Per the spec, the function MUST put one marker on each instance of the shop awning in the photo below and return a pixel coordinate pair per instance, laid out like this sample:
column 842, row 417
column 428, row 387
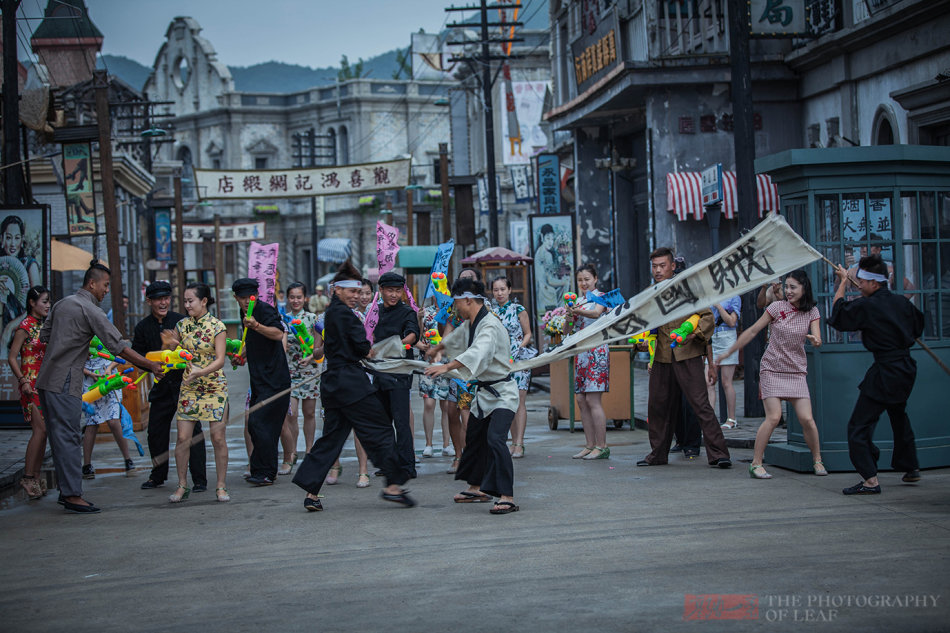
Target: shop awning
column 684, row 194
column 334, row 249
column 416, row 259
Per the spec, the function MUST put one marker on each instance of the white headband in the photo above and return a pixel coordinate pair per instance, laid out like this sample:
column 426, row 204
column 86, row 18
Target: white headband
column 469, row 295
column 348, row 283
column 863, row 274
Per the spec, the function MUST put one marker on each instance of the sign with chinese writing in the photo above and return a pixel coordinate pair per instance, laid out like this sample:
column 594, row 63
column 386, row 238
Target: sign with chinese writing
column 439, row 265
column 521, row 183
column 859, row 227
column 483, row 204
column 712, row 185
column 262, row 267
column 163, row 235
column 268, row 184
column 597, row 53
column 196, row 233
column 549, row 183
column 777, row 18
column 77, row 181
column 521, row 133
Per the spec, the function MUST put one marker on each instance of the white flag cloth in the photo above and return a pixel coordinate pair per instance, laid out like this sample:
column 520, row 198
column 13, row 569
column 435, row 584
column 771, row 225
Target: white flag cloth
column 768, row 251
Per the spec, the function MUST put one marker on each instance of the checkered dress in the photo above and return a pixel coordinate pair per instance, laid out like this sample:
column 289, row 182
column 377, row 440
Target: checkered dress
column 784, row 365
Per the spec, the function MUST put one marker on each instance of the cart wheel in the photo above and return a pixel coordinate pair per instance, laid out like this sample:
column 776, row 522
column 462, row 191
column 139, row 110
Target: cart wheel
column 618, row 424
column 552, row 418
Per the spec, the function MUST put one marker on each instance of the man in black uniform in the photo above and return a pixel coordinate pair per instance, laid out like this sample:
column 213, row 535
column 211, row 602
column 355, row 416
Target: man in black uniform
column 889, row 324
column 349, row 400
column 163, row 398
column 269, row 375
column 397, row 319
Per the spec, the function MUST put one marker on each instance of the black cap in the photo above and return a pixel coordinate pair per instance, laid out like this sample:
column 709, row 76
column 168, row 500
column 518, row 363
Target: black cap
column 392, row 280
column 158, row 289
column 244, row 287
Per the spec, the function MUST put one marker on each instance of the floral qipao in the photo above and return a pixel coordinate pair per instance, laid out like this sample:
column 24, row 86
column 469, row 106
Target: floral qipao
column 31, row 357
column 435, row 388
column 204, row 398
column 298, row 374
column 591, row 368
column 509, row 315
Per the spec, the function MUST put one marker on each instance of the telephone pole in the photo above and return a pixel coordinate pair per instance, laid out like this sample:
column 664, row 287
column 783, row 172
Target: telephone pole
column 13, row 186
column 486, row 81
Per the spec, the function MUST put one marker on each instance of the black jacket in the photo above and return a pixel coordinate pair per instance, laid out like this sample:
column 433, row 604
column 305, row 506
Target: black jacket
column 399, row 320
column 146, row 338
column 344, row 344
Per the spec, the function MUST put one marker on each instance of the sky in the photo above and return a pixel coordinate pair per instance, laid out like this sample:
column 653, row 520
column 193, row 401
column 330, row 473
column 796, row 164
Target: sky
column 311, row 33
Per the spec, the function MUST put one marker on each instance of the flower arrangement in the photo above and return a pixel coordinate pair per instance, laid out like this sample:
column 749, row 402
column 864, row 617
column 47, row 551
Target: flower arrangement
column 554, row 320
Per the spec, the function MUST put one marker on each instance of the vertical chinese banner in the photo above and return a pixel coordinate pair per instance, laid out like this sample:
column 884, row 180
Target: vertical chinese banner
column 163, row 235
column 77, row 181
column 387, row 247
column 439, row 265
column 262, row 267
column 549, row 184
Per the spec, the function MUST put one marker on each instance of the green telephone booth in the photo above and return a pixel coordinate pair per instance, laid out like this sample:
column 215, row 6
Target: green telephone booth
column 846, row 202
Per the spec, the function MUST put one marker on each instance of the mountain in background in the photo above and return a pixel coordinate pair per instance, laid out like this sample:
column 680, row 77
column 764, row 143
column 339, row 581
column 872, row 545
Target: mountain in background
column 266, row 77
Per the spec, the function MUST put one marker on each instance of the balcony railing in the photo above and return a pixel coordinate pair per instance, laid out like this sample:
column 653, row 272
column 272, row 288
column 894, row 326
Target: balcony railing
column 690, row 27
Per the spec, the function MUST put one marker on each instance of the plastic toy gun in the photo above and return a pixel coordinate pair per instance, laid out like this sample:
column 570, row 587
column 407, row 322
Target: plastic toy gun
column 432, row 336
column 173, row 366
column 569, row 300
column 678, row 336
column 170, row 357
column 107, row 384
column 96, row 348
column 233, row 351
column 647, row 338
column 304, row 337
column 440, row 283
column 250, row 310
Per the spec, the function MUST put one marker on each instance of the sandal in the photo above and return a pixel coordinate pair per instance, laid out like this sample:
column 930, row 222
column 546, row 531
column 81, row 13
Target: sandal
column 517, row 455
column 31, row 486
column 454, row 467
column 584, row 453
column 504, row 507
column 602, row 453
column 730, row 424
column 756, row 475
column 331, row 478
column 285, row 468
column 222, row 494
column 820, row 469
column 363, row 480
column 176, row 498
column 468, row 496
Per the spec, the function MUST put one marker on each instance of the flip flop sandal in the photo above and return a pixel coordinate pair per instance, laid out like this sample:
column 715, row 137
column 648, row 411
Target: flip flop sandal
column 508, row 508
column 473, row 497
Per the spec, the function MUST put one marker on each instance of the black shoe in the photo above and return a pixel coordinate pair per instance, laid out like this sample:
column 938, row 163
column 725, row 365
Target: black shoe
column 199, row 487
column 676, row 449
column 312, row 505
column 911, row 476
column 129, row 467
column 401, row 498
column 88, row 472
column 860, row 489
column 379, row 473
column 690, row 453
column 80, row 509
column 149, row 484
column 644, row 462
column 260, row 480
column 61, row 500
column 722, row 462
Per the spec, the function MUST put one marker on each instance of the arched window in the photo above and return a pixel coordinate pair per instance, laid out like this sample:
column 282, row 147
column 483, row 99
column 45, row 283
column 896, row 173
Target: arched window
column 885, row 130
column 343, row 153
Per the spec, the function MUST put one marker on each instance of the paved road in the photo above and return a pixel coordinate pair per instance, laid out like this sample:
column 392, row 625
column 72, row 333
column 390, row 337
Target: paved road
column 600, row 545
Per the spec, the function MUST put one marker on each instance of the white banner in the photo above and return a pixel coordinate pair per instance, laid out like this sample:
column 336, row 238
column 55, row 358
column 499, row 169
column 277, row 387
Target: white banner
column 270, row 184
column 244, row 232
column 768, row 251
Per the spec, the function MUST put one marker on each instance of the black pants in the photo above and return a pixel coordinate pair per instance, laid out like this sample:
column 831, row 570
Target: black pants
column 264, row 426
column 396, row 404
column 160, row 414
column 486, row 461
column 687, row 432
column 864, row 454
column 367, row 419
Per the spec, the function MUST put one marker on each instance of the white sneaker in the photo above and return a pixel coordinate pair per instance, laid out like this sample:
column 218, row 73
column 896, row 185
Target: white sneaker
column 427, row 451
column 448, row 451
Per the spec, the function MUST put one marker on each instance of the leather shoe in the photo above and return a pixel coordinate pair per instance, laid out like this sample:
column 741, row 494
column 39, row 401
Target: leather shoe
column 911, row 476
column 644, row 462
column 722, row 462
column 402, row 498
column 80, row 509
column 149, row 484
column 690, row 453
column 260, row 480
column 199, row 487
column 312, row 505
column 860, row 489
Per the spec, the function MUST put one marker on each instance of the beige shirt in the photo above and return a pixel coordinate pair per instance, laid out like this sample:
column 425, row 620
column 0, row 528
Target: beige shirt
column 696, row 347
column 75, row 320
column 488, row 358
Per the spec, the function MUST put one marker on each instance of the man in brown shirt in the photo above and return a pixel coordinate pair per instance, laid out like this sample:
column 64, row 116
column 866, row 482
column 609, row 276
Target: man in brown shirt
column 679, row 371
column 67, row 332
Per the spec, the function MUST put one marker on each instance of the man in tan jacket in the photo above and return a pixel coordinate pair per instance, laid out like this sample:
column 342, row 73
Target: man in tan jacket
column 679, row 371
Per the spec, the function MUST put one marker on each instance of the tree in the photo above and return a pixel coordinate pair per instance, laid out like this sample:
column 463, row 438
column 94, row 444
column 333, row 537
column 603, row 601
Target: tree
column 403, row 64
column 350, row 72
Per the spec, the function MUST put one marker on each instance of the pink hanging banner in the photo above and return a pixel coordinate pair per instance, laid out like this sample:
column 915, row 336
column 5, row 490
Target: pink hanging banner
column 387, row 246
column 371, row 318
column 262, row 267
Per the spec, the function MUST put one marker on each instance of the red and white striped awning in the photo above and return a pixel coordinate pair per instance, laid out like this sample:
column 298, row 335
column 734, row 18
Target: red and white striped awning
column 684, row 194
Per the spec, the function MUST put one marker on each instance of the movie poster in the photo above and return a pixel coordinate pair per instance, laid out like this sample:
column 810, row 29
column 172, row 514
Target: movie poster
column 80, row 199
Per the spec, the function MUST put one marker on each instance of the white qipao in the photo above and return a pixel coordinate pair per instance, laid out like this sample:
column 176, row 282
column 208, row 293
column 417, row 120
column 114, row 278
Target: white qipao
column 486, row 359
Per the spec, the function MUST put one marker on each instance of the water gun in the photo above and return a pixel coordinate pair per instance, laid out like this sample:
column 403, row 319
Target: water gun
column 569, row 300
column 250, row 310
column 233, row 351
column 304, row 337
column 170, row 357
column 107, row 384
column 96, row 348
column 432, row 336
column 441, row 284
column 647, row 338
column 678, row 336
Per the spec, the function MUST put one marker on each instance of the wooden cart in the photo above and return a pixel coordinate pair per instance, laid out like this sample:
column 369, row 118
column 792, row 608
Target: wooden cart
column 618, row 402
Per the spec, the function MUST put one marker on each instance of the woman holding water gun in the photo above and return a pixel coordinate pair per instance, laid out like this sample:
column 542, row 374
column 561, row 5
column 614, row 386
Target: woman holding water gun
column 784, row 367
column 204, row 389
column 433, row 389
column 302, row 368
column 26, row 356
column 591, row 368
column 105, row 409
column 515, row 319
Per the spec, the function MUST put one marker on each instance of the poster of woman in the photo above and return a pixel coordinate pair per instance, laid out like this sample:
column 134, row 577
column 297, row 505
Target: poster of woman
column 552, row 245
column 23, row 263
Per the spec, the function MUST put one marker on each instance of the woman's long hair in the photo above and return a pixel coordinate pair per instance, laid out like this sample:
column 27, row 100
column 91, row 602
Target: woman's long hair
column 807, row 302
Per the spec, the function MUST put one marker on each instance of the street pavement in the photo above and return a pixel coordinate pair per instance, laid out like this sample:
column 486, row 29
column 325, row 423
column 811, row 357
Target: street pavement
column 599, row 545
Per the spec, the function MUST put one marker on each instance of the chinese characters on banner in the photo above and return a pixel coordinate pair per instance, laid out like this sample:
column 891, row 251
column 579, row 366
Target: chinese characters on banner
column 262, row 267
column 77, row 181
column 521, row 183
column 777, row 18
column 875, row 226
column 439, row 265
column 244, row 232
column 269, row 184
column 549, row 184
